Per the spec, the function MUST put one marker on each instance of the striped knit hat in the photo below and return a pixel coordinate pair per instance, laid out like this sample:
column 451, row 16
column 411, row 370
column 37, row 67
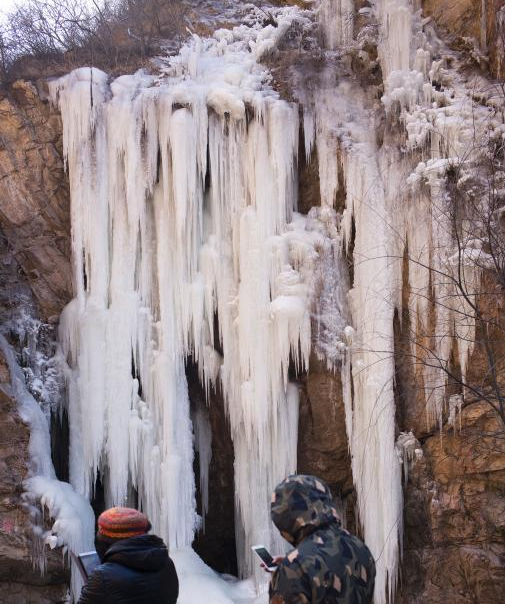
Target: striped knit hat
column 122, row 523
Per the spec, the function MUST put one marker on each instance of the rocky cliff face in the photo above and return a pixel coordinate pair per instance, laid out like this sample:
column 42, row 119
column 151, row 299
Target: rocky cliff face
column 34, row 209
column 454, row 515
column 454, row 545
column 473, row 26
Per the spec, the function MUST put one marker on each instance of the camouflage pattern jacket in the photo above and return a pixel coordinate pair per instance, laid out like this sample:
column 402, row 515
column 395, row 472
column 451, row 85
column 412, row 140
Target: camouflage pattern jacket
column 329, row 565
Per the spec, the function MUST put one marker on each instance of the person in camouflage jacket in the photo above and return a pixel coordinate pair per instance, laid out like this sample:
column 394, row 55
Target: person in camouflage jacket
column 329, row 565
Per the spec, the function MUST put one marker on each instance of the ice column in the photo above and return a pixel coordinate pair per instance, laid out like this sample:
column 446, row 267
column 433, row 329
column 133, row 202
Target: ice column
column 375, row 466
column 203, row 446
column 337, row 22
column 181, row 191
column 395, row 19
column 368, row 373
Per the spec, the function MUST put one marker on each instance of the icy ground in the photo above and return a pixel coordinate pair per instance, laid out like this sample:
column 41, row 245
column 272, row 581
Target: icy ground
column 196, row 578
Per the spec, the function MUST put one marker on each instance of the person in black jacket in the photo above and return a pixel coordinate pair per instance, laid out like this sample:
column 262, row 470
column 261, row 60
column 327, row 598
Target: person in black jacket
column 136, row 567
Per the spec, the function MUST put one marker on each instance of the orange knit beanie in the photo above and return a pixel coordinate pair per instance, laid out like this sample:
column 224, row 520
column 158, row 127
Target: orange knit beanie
column 122, row 523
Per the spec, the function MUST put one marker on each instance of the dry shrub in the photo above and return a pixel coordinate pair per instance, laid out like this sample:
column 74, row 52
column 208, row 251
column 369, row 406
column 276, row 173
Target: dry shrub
column 49, row 37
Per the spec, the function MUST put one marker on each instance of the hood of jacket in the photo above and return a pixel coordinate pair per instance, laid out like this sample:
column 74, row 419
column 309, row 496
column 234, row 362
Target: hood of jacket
column 302, row 504
column 146, row 553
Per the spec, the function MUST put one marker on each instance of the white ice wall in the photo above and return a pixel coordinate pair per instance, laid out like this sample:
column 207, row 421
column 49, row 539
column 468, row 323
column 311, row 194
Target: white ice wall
column 182, row 192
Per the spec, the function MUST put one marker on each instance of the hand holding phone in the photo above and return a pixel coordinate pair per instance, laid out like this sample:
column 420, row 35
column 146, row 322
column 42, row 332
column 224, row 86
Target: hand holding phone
column 269, row 563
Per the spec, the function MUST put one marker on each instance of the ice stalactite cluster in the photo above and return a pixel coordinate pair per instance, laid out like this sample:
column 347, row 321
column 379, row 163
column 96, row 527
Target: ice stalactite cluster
column 446, row 129
column 339, row 122
column 329, row 287
column 330, row 281
column 408, row 450
column 183, row 190
column 395, row 36
column 73, row 518
column 396, row 203
column 370, row 412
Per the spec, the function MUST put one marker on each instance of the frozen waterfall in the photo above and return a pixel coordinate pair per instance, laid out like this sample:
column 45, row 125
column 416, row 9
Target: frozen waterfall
column 183, row 194
column 184, row 216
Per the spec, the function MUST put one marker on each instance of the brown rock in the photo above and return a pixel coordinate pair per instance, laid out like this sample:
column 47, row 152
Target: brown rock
column 34, row 209
column 471, row 23
column 455, row 515
column 323, row 448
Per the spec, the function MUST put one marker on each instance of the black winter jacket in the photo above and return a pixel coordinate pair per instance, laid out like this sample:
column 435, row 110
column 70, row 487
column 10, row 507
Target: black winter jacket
column 133, row 571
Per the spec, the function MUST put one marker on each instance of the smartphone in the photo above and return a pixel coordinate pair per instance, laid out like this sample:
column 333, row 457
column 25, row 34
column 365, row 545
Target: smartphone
column 265, row 556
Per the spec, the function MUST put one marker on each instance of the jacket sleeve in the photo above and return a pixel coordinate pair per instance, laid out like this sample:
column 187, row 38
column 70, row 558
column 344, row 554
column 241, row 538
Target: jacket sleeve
column 287, row 586
column 94, row 590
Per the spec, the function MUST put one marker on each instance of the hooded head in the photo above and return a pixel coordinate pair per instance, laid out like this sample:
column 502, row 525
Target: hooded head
column 147, row 553
column 302, row 504
column 119, row 523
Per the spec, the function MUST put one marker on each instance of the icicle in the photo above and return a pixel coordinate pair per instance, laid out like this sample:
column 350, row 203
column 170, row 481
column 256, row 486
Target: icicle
column 368, row 362
column 395, row 18
column 309, row 132
column 327, row 141
column 337, row 22
column 408, row 449
column 203, row 445
column 455, row 407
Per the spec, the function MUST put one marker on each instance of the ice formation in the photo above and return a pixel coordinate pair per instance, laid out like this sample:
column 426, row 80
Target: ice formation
column 342, row 128
column 203, row 446
column 370, row 411
column 444, row 125
column 455, row 408
column 196, row 578
column 183, row 190
column 74, row 520
column 396, row 205
column 408, row 450
column 337, row 22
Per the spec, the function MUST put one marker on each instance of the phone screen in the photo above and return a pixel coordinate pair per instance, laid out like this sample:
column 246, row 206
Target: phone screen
column 264, row 554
